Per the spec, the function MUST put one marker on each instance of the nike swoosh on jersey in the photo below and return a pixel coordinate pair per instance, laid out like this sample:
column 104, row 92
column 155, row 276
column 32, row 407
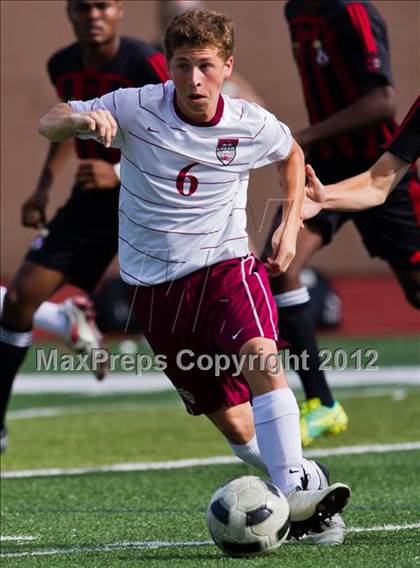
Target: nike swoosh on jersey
column 235, row 335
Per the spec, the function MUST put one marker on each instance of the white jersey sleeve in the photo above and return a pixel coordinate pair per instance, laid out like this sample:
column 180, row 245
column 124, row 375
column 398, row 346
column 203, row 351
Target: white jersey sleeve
column 274, row 142
column 119, row 103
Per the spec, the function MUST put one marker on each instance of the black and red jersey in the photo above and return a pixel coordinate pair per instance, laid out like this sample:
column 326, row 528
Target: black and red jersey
column 342, row 52
column 135, row 64
column 406, row 141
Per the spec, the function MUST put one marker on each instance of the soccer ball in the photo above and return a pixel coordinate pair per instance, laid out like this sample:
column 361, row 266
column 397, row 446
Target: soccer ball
column 248, row 516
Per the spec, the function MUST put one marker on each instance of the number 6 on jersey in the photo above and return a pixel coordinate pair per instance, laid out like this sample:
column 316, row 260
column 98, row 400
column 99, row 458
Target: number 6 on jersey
column 182, row 176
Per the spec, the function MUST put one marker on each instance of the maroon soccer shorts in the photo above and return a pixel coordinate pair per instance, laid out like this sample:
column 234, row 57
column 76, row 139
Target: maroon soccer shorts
column 210, row 312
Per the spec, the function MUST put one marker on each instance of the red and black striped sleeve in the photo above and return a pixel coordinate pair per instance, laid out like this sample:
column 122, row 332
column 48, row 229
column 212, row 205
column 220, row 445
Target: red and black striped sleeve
column 158, row 67
column 150, row 68
column 369, row 46
column 406, row 140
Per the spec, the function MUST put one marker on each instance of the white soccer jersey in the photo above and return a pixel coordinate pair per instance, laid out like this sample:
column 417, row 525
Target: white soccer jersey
column 183, row 186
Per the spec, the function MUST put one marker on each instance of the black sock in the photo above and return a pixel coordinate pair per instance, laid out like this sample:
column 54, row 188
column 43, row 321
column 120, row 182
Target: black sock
column 297, row 327
column 13, row 348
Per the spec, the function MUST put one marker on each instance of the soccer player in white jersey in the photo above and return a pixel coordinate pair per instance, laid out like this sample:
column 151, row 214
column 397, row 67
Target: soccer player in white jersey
column 186, row 155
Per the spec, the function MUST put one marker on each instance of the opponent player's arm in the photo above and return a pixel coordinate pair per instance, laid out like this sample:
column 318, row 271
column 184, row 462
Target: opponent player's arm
column 292, row 174
column 33, row 209
column 377, row 105
column 368, row 189
column 61, row 123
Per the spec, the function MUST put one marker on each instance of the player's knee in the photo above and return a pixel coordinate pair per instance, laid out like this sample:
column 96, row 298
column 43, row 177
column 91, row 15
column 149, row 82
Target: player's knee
column 18, row 308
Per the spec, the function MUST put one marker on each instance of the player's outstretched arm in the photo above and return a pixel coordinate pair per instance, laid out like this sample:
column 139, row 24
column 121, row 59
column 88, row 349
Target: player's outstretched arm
column 61, row 123
column 292, row 173
column 368, row 189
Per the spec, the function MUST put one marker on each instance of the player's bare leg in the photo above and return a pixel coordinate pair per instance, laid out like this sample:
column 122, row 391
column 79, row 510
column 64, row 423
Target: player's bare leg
column 276, row 414
column 236, row 422
column 32, row 285
column 320, row 414
column 276, row 419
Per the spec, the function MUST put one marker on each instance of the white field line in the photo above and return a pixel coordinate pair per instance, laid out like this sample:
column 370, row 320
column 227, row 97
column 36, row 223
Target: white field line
column 216, row 460
column 147, row 545
column 40, row 412
column 17, row 537
column 53, row 411
column 397, row 394
column 384, row 528
column 151, row 382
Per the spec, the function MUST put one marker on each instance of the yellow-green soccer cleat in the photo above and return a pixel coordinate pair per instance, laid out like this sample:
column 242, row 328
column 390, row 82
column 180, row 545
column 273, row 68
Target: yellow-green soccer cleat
column 317, row 420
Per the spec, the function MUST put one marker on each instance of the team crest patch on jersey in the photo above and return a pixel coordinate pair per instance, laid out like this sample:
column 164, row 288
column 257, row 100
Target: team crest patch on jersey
column 226, row 150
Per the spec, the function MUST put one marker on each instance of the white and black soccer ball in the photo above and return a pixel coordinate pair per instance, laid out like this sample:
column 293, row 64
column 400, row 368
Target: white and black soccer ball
column 248, row 516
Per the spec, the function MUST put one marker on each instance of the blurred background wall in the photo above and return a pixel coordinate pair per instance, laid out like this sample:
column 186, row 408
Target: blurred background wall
column 32, row 30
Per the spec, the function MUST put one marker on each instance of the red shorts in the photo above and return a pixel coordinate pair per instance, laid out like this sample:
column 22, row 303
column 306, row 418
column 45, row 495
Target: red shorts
column 210, row 312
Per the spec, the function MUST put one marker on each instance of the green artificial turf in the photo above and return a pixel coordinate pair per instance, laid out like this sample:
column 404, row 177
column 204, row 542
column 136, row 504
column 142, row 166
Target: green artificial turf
column 152, row 427
column 81, row 518
column 156, row 518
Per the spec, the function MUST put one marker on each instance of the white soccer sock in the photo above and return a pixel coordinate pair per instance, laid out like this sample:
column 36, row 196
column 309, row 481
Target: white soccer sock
column 314, row 480
column 249, row 453
column 276, row 418
column 15, row 338
column 292, row 298
column 48, row 317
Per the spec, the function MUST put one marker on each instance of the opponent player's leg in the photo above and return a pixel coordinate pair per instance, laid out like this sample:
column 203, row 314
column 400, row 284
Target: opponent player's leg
column 32, row 285
column 391, row 232
column 72, row 320
column 321, row 413
column 410, row 283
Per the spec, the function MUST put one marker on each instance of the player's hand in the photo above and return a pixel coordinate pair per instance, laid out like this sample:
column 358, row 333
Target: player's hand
column 96, row 174
column 33, row 210
column 315, row 195
column 101, row 122
column 284, row 250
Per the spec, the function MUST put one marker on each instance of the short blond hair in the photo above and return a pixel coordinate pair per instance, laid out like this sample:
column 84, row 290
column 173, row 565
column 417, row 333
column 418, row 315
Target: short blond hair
column 200, row 28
